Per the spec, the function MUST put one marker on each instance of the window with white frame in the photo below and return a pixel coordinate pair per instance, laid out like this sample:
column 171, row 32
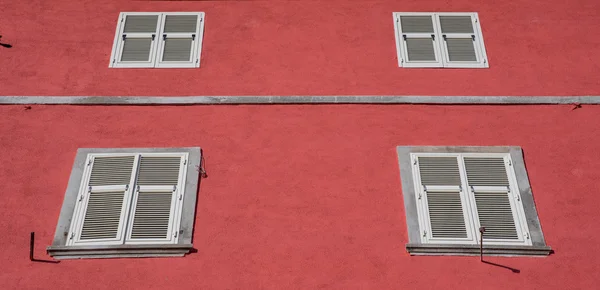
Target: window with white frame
column 451, row 40
column 456, row 192
column 133, row 198
column 161, row 40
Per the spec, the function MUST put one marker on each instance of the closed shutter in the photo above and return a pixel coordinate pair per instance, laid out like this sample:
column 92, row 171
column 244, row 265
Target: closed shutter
column 137, row 43
column 157, row 192
column 105, row 198
column 459, row 38
column 418, row 40
column 488, row 180
column 441, row 186
column 180, row 38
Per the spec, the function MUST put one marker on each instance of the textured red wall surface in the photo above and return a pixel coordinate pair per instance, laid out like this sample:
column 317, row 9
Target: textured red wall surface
column 313, row 47
column 301, row 197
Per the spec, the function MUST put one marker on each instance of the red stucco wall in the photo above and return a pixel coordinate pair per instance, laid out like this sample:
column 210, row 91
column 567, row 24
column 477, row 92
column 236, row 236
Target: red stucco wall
column 301, row 197
column 300, row 48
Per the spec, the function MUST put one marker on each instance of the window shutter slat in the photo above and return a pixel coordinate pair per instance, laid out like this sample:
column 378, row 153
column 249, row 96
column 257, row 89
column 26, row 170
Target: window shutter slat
column 177, row 49
column 111, row 171
column 446, row 215
column 486, row 171
column 416, row 24
column 181, row 23
column 495, row 214
column 153, row 209
column 103, row 211
column 152, row 215
column 439, row 171
column 103, row 215
column 456, row 24
column 140, row 24
column 136, row 49
column 461, row 49
column 158, row 171
column 420, row 49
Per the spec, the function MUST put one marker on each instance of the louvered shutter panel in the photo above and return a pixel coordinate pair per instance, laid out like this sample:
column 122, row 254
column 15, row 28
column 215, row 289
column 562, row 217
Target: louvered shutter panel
column 459, row 38
column 105, row 198
column 418, row 37
column 179, row 40
column 445, row 204
column 157, row 187
column 489, row 182
column 138, row 40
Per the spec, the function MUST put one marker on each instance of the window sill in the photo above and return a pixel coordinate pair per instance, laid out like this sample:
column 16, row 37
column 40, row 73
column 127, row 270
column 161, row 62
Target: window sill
column 473, row 250
column 118, row 251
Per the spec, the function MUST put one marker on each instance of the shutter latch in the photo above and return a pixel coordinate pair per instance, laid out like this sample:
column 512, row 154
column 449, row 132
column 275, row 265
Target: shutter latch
column 164, row 37
column 473, row 37
column 127, row 187
column 193, row 37
column 174, row 187
column 404, row 36
column 124, row 36
column 433, row 36
column 153, row 36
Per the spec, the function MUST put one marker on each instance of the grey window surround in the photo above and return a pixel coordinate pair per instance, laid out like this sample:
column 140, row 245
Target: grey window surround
column 416, row 247
column 59, row 250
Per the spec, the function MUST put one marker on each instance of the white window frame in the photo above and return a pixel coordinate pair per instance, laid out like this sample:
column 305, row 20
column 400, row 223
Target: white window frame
column 440, row 46
column 157, row 49
column 468, row 198
column 128, row 209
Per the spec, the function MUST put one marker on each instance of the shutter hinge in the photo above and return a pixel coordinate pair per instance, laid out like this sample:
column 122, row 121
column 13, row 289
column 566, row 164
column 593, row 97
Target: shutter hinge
column 89, row 189
column 518, row 197
column 164, row 37
column 80, row 197
column 404, row 36
column 122, row 18
column 420, row 195
column 415, row 161
column 175, row 234
column 71, row 236
column 174, row 187
column 184, row 161
column 90, row 161
column 124, row 36
column 180, row 196
column 444, row 36
column 137, row 188
column 127, row 187
column 424, row 234
column 153, row 36
column 193, row 37
column 473, row 37
column 508, row 188
column 433, row 36
column 460, row 188
column 526, row 235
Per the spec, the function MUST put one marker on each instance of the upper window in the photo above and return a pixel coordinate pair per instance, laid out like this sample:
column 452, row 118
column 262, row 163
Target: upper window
column 439, row 40
column 131, row 197
column 454, row 192
column 145, row 40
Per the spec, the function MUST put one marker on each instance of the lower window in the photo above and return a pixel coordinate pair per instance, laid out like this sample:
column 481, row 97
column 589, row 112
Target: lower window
column 128, row 202
column 459, row 197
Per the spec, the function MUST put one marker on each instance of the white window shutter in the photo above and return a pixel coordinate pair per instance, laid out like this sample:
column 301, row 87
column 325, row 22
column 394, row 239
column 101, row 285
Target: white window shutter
column 489, row 182
column 441, row 186
column 461, row 41
column 137, row 40
column 102, row 213
column 157, row 199
column 181, row 35
column 418, row 40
